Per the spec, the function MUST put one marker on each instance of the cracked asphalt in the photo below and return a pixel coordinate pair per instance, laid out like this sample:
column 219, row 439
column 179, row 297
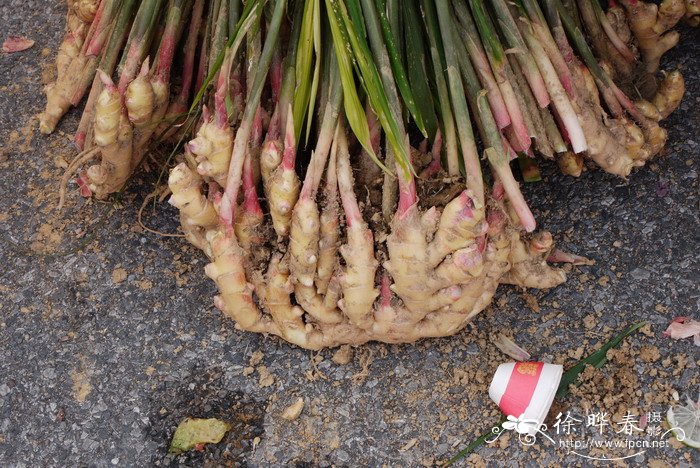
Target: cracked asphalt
column 109, row 338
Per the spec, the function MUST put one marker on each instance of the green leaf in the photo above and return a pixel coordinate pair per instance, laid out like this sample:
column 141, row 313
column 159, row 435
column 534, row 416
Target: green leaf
column 418, row 71
column 354, row 110
column 317, row 69
column 489, row 38
column 473, row 445
column 372, row 82
column 398, row 69
column 192, row 432
column 443, row 97
column 597, row 359
column 303, row 67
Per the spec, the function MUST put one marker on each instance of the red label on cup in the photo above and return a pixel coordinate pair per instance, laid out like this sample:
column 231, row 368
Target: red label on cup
column 521, row 386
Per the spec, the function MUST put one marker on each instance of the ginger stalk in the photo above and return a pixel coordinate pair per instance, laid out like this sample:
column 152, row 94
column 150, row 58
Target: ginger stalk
column 522, row 55
column 284, row 185
column 493, row 140
column 499, row 65
column 357, row 280
column 557, row 91
column 250, row 217
column 138, row 42
column 440, row 24
column 470, row 37
column 114, row 138
column 67, row 92
column 330, row 229
column 160, row 79
column 533, row 20
column 233, row 180
column 534, row 113
column 179, row 105
column 214, row 141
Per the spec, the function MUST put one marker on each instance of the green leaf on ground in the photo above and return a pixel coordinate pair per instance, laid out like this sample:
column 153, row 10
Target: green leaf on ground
column 194, row 432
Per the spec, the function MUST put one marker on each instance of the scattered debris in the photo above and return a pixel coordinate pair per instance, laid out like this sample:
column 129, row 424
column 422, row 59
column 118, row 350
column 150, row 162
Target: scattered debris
column 195, row 433
column 559, row 256
column 118, row 275
column 294, row 410
column 343, row 355
column 684, row 327
column 409, row 445
column 16, row 44
column 256, row 358
column 81, row 386
column 508, row 347
column 366, row 359
column 266, row 379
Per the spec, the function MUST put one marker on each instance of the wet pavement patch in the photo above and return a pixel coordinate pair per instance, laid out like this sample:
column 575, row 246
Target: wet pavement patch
column 204, row 395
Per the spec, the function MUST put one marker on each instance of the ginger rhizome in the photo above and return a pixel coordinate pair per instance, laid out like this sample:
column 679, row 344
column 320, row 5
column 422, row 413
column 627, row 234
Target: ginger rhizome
column 349, row 172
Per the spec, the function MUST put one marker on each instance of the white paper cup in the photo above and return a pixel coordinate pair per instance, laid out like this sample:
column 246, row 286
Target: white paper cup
column 525, row 390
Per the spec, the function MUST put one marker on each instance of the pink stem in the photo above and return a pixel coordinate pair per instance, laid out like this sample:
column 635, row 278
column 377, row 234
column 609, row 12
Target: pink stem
column 221, row 93
column 559, row 256
column 251, row 203
column 275, row 127
column 375, row 128
column 515, row 196
column 521, row 136
column 290, row 147
column 488, row 81
column 407, row 190
column 550, row 47
column 130, row 66
column 616, row 40
column 435, row 165
column 562, row 126
column 93, row 28
column 628, row 105
column 257, row 131
column 385, row 291
column 166, row 53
